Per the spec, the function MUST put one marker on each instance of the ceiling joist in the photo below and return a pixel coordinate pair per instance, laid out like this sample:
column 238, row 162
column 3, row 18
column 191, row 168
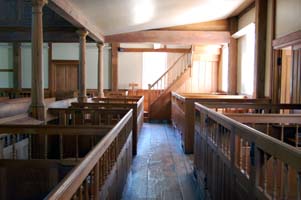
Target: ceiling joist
column 72, row 14
column 171, row 37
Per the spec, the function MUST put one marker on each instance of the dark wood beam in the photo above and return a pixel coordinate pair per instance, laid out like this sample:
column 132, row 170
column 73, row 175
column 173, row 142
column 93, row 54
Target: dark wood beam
column 172, row 37
column 232, row 58
column 261, row 7
column 114, row 84
column 72, row 14
column 154, row 50
column 53, row 36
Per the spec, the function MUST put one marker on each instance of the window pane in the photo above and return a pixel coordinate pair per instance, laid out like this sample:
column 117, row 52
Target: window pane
column 6, row 80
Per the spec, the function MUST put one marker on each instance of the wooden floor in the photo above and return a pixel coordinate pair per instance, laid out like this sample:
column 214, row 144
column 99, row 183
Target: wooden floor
column 161, row 170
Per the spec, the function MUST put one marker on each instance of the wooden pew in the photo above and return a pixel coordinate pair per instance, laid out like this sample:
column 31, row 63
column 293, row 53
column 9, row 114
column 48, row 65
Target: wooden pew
column 100, row 174
column 235, row 161
column 182, row 112
column 135, row 103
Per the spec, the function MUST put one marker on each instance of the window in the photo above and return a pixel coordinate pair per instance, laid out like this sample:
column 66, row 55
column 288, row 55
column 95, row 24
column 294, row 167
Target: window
column 154, row 65
column 225, row 67
column 246, row 53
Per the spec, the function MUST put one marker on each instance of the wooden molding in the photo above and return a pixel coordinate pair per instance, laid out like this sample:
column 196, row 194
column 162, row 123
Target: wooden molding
column 172, row 37
column 120, row 49
column 287, row 40
column 72, row 14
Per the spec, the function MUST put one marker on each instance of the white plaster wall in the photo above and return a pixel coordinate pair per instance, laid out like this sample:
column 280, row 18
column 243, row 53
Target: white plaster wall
column 288, row 17
column 246, row 19
column 6, row 58
column 26, row 65
column 129, row 69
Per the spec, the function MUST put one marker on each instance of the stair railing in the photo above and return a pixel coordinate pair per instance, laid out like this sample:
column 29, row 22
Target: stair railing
column 168, row 77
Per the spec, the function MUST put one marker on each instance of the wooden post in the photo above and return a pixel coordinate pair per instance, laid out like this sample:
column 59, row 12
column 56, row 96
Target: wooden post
column 232, row 59
column 37, row 84
column 17, row 66
column 82, row 65
column 50, row 70
column 100, row 47
column 260, row 47
column 115, row 47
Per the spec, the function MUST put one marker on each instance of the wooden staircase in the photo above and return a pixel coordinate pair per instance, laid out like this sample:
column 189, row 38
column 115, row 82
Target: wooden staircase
column 160, row 90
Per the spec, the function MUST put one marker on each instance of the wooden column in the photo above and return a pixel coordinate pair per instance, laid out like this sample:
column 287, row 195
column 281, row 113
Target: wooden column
column 232, row 59
column 17, row 62
column 37, row 84
column 100, row 47
column 261, row 9
column 115, row 47
column 82, row 65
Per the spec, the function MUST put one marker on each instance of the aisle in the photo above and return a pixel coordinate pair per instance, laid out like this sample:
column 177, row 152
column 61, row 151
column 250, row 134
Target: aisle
column 160, row 170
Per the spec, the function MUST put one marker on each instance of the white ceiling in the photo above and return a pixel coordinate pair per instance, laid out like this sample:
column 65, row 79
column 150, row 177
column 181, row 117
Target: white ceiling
column 120, row 16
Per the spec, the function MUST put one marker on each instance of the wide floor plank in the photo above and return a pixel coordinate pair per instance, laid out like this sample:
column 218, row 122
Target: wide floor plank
column 161, row 170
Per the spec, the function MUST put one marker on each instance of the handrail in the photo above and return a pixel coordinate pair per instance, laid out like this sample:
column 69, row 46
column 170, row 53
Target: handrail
column 168, row 70
column 285, row 152
column 69, row 185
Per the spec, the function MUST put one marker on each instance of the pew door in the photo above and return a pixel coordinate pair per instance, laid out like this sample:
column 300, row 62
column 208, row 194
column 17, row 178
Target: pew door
column 64, row 78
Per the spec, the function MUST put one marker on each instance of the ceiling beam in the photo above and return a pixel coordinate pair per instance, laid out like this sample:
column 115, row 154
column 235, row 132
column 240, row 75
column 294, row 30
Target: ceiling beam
column 172, row 37
column 217, row 25
column 72, row 14
column 169, row 50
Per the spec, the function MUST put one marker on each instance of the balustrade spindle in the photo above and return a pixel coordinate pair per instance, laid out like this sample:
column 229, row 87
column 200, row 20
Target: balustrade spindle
column 46, row 146
column 282, row 132
column 265, row 176
column 96, row 180
column 285, row 182
column 240, row 153
column 14, row 151
column 61, row 147
column 299, row 185
column 76, row 148
column 268, row 129
column 86, row 188
column 246, row 157
column 80, row 192
column 91, row 188
column 29, row 146
column 274, row 169
column 297, row 136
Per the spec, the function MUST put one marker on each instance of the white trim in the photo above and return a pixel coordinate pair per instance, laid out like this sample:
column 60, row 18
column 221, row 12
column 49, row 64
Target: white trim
column 250, row 27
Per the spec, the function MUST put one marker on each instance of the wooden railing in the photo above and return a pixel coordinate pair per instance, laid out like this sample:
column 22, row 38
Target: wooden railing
column 182, row 112
column 92, row 174
column 87, row 116
column 39, row 141
column 235, row 161
column 135, row 103
column 169, row 77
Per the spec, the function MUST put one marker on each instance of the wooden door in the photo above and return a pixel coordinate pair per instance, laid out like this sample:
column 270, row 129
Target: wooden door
column 64, row 79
